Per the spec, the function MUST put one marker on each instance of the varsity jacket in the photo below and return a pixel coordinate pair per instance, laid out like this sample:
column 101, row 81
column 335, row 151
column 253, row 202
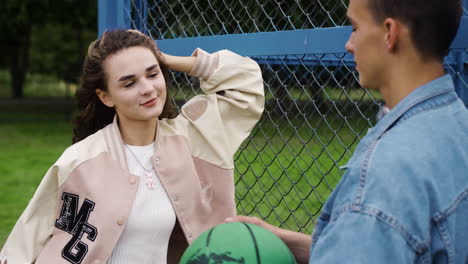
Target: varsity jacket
column 82, row 204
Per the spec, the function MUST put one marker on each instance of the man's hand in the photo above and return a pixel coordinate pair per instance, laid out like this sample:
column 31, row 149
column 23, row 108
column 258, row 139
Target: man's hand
column 256, row 221
column 298, row 243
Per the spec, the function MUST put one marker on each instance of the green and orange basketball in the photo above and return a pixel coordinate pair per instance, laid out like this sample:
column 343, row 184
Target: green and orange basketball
column 237, row 243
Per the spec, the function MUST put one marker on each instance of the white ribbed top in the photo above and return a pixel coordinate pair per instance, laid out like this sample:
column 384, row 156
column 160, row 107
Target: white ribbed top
column 146, row 236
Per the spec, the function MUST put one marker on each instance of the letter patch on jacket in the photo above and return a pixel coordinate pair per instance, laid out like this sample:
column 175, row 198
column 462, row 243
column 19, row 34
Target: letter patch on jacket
column 76, row 223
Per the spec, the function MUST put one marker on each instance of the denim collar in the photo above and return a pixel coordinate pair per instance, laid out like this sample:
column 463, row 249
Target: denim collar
column 423, row 93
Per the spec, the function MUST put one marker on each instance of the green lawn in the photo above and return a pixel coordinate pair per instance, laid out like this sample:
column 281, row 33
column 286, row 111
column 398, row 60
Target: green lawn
column 284, row 171
column 31, row 139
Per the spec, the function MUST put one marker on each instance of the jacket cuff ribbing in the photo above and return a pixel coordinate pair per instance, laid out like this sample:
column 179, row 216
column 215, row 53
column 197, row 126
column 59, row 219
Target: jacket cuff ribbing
column 205, row 65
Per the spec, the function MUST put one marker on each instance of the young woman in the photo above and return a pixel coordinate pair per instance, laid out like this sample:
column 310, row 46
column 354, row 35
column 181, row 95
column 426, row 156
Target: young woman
column 141, row 182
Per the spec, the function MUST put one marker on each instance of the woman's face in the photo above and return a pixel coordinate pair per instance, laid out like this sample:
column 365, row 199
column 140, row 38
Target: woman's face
column 135, row 85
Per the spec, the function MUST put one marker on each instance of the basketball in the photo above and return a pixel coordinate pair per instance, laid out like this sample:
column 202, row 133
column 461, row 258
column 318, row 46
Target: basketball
column 237, row 243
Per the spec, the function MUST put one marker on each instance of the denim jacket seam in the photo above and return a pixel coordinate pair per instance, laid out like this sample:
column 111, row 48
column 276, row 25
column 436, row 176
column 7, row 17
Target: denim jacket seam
column 363, row 174
column 425, row 98
column 419, row 247
column 441, row 216
column 412, row 104
column 432, row 106
column 444, row 234
column 340, row 211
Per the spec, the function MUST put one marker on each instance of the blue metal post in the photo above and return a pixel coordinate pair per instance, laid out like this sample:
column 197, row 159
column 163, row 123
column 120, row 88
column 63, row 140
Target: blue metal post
column 462, row 79
column 113, row 14
column 141, row 14
column 462, row 58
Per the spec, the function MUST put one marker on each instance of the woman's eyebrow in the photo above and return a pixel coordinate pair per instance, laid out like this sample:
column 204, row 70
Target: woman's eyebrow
column 152, row 67
column 126, row 77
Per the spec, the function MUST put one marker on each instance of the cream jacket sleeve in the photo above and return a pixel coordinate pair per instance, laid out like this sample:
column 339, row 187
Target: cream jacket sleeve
column 35, row 225
column 217, row 122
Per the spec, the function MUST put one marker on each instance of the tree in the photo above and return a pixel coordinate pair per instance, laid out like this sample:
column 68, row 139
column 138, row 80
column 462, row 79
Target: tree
column 59, row 30
column 59, row 47
column 17, row 20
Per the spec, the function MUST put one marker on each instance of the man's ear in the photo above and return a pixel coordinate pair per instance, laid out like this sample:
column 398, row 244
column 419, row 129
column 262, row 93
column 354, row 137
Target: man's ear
column 104, row 97
column 392, row 36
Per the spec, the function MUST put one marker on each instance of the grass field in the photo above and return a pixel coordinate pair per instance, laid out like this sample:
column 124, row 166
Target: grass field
column 31, row 139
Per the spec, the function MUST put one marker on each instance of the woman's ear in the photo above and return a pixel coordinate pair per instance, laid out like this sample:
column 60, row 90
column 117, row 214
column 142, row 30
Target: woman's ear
column 105, row 97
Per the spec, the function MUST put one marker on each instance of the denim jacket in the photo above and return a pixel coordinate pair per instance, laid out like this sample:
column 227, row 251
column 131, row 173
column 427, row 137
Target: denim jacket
column 404, row 195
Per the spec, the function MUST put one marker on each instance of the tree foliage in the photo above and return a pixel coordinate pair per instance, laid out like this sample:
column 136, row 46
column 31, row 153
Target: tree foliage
column 45, row 36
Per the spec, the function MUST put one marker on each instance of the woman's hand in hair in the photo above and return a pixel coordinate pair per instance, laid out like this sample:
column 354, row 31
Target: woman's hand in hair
column 179, row 63
column 175, row 63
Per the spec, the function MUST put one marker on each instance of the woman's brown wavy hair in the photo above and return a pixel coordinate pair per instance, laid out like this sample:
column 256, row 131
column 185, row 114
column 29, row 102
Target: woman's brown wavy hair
column 92, row 114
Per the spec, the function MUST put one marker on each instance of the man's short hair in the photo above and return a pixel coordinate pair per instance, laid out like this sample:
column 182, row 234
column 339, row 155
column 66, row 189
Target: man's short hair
column 433, row 24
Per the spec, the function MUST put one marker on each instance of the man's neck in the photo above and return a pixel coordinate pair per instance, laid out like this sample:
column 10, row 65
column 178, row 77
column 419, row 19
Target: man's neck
column 406, row 76
column 137, row 133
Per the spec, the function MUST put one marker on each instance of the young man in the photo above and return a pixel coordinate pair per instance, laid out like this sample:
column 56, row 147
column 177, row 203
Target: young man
column 404, row 196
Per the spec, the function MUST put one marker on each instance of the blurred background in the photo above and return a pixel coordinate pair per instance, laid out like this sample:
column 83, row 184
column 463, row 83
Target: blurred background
column 42, row 48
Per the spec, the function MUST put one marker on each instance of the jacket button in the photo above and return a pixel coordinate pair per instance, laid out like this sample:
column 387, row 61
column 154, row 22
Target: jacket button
column 176, row 198
column 121, row 221
column 132, row 180
column 190, row 235
column 156, row 160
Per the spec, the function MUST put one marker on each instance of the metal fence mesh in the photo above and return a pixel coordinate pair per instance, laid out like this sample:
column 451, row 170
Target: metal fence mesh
column 183, row 18
column 315, row 113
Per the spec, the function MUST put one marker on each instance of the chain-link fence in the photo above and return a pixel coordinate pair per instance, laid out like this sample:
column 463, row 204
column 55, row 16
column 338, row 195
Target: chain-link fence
column 315, row 111
column 176, row 19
